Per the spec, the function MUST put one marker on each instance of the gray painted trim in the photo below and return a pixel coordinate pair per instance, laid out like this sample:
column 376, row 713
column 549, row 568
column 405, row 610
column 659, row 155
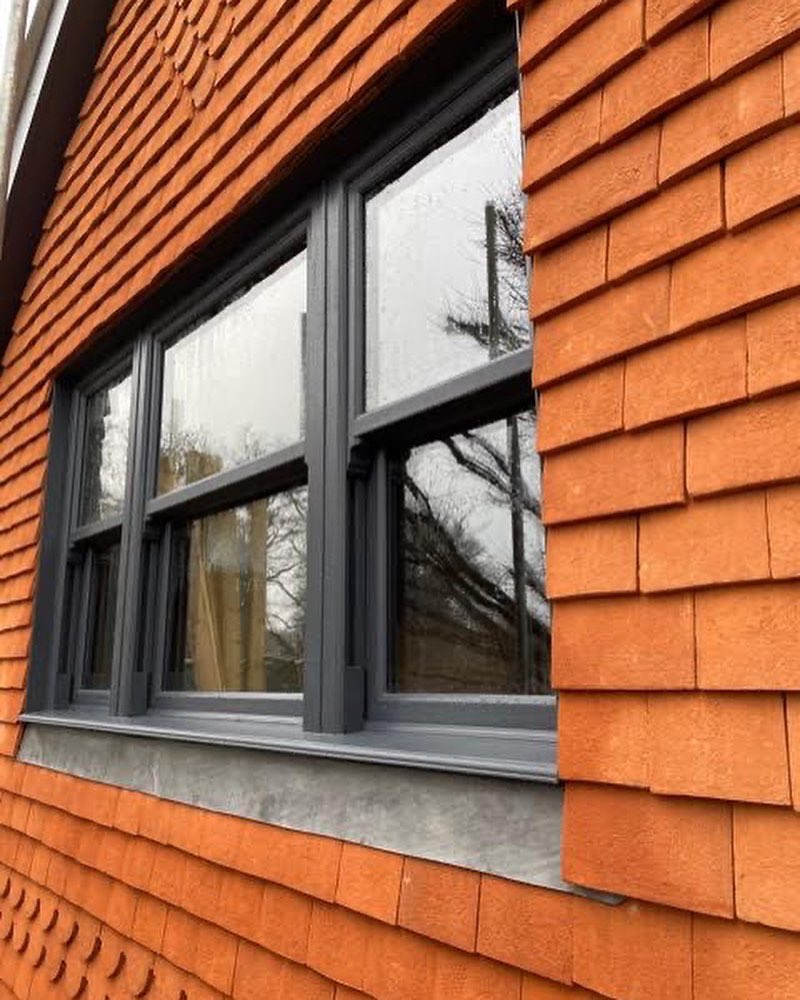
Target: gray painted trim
column 503, row 753
column 59, row 83
column 499, row 826
column 40, row 43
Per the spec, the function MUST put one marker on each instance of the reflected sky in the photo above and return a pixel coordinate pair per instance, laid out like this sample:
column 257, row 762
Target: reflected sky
column 233, row 387
column 108, row 415
column 426, row 260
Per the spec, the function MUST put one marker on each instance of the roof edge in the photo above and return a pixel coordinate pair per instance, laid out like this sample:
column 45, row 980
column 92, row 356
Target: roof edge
column 69, row 73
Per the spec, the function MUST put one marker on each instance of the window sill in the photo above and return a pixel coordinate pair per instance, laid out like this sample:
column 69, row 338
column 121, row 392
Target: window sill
column 503, row 753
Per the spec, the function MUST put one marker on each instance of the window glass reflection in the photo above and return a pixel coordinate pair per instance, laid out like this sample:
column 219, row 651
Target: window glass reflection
column 471, row 612
column 445, row 271
column 103, row 614
column 233, row 387
column 105, row 459
column 239, row 606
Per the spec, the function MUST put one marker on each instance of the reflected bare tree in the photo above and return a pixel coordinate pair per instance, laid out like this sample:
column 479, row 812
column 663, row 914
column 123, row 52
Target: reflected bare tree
column 454, row 591
column 461, row 611
column 254, row 553
column 500, row 323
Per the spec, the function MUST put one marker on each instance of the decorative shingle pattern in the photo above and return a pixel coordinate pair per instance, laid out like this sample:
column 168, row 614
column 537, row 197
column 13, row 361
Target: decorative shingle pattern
column 195, row 109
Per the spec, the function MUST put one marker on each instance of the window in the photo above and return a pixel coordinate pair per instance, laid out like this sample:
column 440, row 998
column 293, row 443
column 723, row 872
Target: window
column 305, row 504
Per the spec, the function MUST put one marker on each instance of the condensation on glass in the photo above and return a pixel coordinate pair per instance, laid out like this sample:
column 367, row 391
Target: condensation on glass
column 446, row 284
column 233, row 386
column 105, row 455
column 102, row 617
column 471, row 614
column 240, row 599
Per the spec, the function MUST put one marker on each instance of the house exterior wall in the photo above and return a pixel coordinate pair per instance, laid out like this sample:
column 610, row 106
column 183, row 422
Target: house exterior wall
column 661, row 169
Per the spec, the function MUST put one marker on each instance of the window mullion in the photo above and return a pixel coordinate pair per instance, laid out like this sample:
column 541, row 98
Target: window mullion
column 51, row 586
column 128, row 685
column 341, row 688
column 315, row 416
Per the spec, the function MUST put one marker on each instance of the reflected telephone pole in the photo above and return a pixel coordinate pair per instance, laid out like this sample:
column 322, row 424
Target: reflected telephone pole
column 519, row 671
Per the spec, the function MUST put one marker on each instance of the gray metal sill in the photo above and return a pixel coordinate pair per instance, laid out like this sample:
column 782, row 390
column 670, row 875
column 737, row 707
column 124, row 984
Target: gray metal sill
column 501, row 753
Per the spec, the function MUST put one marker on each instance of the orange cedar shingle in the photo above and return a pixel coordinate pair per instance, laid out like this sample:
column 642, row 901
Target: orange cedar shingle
column 633, row 949
column 400, row 965
column 585, row 481
column 569, row 271
column 686, row 375
column 556, row 145
column 743, row 28
column 667, row 74
column 763, row 178
column 773, row 347
column 727, row 117
column 604, row 737
column 793, row 725
column 664, row 850
column 369, row 882
column 338, row 943
column 665, row 15
column 583, row 61
column 526, row 927
column 624, row 643
column 739, row 961
column 580, row 408
column 616, row 321
column 791, row 79
column 546, row 25
column 535, row 988
column 719, row 746
column 766, row 851
column 651, row 233
column 743, row 446
column 463, row 977
column 592, row 558
column 257, row 971
column 440, row 901
column 732, row 274
column 700, row 533
column 283, row 922
column 594, row 190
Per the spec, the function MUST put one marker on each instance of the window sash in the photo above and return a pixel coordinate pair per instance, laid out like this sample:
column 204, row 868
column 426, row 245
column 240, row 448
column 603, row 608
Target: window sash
column 340, row 459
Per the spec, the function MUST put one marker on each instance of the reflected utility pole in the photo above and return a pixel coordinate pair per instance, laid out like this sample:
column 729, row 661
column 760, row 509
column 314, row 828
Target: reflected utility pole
column 519, row 672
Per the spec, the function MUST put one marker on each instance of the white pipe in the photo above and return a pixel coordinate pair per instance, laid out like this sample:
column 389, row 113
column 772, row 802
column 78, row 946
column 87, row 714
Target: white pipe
column 18, row 16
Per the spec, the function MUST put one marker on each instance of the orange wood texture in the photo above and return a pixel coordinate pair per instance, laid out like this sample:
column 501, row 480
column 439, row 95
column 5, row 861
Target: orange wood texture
column 662, row 181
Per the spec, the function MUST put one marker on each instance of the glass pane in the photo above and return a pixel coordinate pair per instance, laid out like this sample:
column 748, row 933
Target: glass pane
column 445, row 272
column 233, row 387
column 103, row 614
column 105, row 457
column 472, row 616
column 243, row 602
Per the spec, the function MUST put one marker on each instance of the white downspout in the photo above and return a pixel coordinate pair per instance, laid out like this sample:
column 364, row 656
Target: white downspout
column 16, row 35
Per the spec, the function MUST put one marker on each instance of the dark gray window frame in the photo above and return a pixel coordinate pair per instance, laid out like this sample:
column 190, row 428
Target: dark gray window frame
column 478, row 396
column 343, row 711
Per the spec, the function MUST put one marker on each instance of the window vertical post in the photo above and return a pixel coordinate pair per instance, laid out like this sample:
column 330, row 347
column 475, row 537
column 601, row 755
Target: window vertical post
column 342, row 683
column 315, row 397
column 51, row 580
column 128, row 686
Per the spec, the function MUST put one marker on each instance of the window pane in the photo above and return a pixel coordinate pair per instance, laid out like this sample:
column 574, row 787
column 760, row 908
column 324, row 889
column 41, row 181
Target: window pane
column 472, row 616
column 233, row 387
column 105, row 460
column 243, row 602
column 103, row 613
column 445, row 272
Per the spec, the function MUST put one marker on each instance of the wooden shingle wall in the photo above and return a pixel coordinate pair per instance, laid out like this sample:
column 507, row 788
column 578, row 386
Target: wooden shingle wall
column 663, row 171
column 663, row 174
